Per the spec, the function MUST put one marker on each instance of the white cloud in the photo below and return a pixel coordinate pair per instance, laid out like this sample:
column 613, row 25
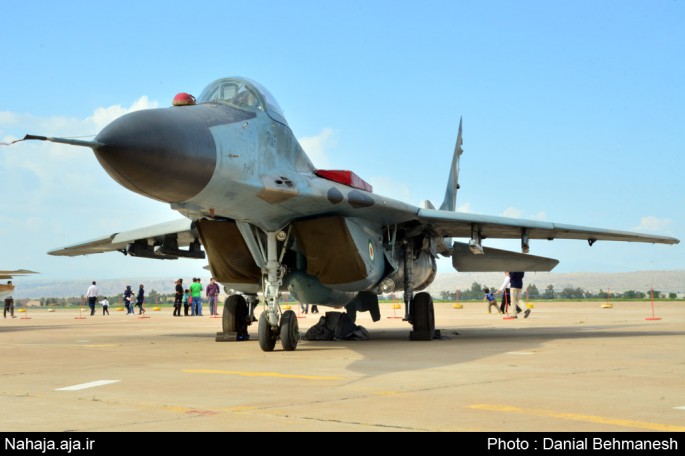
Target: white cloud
column 466, row 207
column 650, row 223
column 55, row 194
column 512, row 212
column 316, row 147
column 387, row 186
column 103, row 116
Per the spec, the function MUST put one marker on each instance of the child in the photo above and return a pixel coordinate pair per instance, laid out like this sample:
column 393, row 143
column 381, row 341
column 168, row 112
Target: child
column 105, row 306
column 490, row 298
column 186, row 293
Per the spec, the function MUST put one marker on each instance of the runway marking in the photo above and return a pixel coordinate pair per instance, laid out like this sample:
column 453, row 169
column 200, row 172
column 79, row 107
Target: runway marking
column 259, row 374
column 87, row 385
column 579, row 417
column 187, row 410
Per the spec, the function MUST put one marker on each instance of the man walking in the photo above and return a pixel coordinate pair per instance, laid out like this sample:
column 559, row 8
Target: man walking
column 516, row 283
column 92, row 295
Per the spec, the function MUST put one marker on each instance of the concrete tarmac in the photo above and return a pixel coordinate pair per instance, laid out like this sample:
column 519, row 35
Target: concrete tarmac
column 569, row 367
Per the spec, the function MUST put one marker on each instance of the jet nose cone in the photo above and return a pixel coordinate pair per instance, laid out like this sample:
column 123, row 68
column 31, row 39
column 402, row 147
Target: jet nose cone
column 165, row 154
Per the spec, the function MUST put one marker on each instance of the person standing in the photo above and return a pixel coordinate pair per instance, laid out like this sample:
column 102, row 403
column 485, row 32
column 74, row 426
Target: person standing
column 140, row 299
column 9, row 303
column 178, row 298
column 128, row 300
column 196, row 295
column 92, row 295
column 213, row 296
column 516, row 283
column 105, row 306
column 186, row 302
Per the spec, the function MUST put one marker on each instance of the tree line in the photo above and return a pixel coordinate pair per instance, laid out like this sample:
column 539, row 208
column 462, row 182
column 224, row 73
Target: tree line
column 152, row 297
column 475, row 293
column 549, row 293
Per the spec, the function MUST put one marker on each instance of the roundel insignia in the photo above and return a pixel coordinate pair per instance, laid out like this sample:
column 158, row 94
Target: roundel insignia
column 371, row 251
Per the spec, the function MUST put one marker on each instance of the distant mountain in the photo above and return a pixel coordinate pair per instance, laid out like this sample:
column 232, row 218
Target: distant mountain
column 663, row 281
column 36, row 288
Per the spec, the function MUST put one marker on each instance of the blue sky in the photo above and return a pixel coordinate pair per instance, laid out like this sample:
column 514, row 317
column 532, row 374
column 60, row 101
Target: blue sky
column 574, row 112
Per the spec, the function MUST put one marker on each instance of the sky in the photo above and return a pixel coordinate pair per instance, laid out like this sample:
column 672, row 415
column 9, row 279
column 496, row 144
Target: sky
column 573, row 111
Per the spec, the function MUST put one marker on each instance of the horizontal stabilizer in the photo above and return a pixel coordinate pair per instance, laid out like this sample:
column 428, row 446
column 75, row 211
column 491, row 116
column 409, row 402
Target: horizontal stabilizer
column 493, row 260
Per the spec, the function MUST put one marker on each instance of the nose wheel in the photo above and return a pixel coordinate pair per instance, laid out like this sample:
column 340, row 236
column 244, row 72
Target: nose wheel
column 267, row 336
column 288, row 331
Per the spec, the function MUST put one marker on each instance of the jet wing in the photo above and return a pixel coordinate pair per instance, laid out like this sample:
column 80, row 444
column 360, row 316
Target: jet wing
column 16, row 272
column 473, row 257
column 451, row 224
column 159, row 241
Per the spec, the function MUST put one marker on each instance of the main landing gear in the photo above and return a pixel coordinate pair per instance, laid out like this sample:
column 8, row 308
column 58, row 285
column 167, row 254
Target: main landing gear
column 418, row 308
column 238, row 315
column 272, row 323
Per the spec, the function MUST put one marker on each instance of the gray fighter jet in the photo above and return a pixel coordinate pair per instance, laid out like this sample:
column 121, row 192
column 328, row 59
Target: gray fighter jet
column 270, row 221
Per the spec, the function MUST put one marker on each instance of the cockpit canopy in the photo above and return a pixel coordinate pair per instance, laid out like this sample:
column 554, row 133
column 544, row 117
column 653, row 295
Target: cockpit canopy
column 243, row 93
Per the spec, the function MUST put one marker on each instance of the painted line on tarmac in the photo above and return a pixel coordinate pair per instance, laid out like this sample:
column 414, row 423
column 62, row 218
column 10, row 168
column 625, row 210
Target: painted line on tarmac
column 579, row 417
column 259, row 374
column 87, row 385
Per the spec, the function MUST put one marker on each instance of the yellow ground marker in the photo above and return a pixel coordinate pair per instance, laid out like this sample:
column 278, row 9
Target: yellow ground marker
column 259, row 374
column 156, row 309
column 578, row 417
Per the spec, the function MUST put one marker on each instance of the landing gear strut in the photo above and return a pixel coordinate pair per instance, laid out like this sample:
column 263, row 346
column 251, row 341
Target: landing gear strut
column 271, row 327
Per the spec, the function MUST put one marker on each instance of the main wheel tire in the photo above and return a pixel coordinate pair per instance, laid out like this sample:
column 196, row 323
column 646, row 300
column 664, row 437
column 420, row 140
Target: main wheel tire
column 290, row 331
column 267, row 339
column 234, row 318
column 423, row 317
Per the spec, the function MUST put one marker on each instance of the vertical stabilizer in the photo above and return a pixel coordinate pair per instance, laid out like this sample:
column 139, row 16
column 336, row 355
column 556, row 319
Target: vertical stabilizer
column 450, row 202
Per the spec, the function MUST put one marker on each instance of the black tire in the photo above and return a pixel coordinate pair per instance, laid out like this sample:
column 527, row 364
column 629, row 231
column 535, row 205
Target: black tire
column 267, row 339
column 290, row 331
column 423, row 317
column 235, row 315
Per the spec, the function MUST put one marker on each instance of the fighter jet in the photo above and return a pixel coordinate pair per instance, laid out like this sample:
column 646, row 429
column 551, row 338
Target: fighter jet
column 270, row 221
column 6, row 289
